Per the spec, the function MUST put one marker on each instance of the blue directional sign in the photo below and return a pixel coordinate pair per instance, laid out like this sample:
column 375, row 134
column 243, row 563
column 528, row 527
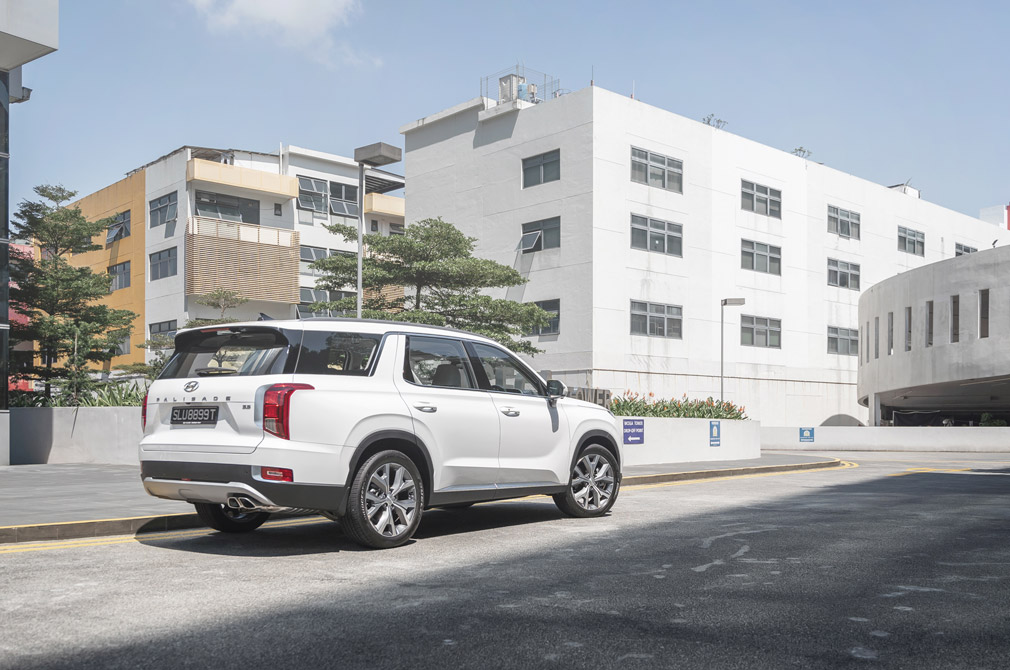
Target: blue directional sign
column 714, row 433
column 806, row 434
column 634, row 431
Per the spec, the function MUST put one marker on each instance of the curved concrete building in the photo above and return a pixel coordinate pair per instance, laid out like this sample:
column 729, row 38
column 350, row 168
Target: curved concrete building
column 935, row 342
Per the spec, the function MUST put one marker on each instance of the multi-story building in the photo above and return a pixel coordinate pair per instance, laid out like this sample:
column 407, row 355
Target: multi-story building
column 28, row 30
column 201, row 219
column 632, row 224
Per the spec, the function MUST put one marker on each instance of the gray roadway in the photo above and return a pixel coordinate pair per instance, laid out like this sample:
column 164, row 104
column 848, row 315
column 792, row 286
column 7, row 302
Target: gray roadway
column 881, row 565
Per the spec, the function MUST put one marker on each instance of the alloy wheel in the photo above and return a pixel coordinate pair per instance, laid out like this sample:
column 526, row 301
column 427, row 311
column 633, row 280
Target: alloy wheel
column 390, row 499
column 592, row 482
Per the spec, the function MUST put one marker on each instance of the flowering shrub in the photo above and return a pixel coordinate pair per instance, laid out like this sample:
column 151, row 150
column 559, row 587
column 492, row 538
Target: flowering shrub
column 634, row 404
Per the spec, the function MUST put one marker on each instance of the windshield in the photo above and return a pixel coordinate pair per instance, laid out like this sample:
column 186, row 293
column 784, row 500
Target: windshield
column 218, row 352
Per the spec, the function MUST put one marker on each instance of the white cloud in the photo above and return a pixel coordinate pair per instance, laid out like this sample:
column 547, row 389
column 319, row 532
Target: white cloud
column 302, row 25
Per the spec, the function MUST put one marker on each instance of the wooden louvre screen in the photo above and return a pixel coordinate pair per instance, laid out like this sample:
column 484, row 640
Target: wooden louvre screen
column 260, row 263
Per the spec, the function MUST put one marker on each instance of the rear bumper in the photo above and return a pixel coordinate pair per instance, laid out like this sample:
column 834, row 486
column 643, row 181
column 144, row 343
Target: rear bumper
column 215, row 482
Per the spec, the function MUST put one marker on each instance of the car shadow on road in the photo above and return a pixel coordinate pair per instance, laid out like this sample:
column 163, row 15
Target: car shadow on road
column 316, row 535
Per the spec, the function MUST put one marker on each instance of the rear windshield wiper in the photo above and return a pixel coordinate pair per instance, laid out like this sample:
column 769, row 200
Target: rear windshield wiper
column 206, row 372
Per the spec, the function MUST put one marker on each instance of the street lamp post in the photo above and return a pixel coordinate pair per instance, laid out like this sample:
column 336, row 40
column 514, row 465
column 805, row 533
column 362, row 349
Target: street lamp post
column 732, row 302
column 372, row 155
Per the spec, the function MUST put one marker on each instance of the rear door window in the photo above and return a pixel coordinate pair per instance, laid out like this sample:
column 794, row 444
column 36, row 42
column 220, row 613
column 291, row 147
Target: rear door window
column 330, row 353
column 241, row 352
column 436, row 361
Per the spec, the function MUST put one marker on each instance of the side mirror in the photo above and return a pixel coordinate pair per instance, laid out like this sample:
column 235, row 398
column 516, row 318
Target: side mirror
column 556, row 389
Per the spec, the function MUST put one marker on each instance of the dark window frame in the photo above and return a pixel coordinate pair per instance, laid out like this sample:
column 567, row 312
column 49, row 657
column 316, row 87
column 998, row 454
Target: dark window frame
column 167, row 259
column 538, row 169
column 657, row 170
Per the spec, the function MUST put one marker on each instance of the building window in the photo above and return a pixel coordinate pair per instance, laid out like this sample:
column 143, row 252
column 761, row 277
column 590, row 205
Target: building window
column 540, row 235
column 911, row 241
column 312, row 194
column 844, row 341
column 375, row 226
column 649, row 318
column 542, row 169
column 760, row 257
column 759, row 331
column 554, row 327
column 662, row 237
column 308, row 296
column 120, row 276
column 876, row 337
column 963, row 249
column 843, row 223
column 929, row 323
column 227, row 207
column 890, row 333
column 163, row 264
column 761, row 199
column 842, row 274
column 343, row 199
column 866, row 342
column 955, row 318
column 164, row 209
column 396, row 229
column 163, row 328
column 657, row 170
column 908, row 329
column 983, row 313
column 119, row 228
column 122, row 347
column 278, row 209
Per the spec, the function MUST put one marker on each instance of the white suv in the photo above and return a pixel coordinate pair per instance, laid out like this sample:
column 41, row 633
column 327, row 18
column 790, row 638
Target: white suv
column 367, row 422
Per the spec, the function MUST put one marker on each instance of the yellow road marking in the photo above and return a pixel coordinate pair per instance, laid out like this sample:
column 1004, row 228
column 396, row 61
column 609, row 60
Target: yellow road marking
column 169, row 535
column 125, row 518
column 919, row 471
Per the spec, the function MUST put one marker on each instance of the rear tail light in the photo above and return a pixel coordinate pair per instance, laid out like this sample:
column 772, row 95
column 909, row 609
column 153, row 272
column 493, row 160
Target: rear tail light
column 143, row 413
column 277, row 474
column 277, row 408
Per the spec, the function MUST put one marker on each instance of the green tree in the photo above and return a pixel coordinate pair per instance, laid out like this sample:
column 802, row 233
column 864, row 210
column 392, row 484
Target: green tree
column 443, row 282
column 71, row 330
column 161, row 348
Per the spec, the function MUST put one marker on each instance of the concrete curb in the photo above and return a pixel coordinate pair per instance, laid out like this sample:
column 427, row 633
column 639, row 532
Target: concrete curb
column 76, row 530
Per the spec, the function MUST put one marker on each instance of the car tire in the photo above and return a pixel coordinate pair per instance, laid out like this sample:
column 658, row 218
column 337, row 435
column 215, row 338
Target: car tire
column 227, row 520
column 593, row 485
column 385, row 501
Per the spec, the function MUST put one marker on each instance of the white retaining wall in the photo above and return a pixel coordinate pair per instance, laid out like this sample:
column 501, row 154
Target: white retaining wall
column 106, row 435
column 888, row 438
column 690, row 440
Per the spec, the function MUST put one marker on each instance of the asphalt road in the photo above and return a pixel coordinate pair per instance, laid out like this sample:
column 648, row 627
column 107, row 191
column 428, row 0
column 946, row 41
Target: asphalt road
column 901, row 562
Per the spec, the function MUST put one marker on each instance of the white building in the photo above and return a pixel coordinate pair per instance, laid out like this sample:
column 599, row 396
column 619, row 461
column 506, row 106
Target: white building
column 648, row 219
column 200, row 219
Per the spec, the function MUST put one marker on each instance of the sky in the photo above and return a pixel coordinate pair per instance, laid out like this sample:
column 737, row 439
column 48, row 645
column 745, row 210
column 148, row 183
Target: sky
column 889, row 91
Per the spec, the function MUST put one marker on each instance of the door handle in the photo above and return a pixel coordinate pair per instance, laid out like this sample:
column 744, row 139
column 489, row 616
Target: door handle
column 510, row 411
column 425, row 407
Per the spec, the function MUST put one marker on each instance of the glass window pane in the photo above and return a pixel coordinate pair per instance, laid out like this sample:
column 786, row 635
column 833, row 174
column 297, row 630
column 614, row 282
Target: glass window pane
column 657, row 176
column 531, row 176
column 747, row 201
column 639, row 324
column 639, row 172
column 747, row 260
column 673, row 245
column 552, row 170
column 832, row 224
column 638, row 153
column 552, row 235
column 747, row 336
column 761, row 263
column 639, row 306
column 639, row 220
column 760, row 337
column 675, row 181
column 775, row 209
column 775, row 265
column 656, row 326
column 673, row 328
column 774, row 338
column 657, row 242
column 639, row 238
column 761, row 205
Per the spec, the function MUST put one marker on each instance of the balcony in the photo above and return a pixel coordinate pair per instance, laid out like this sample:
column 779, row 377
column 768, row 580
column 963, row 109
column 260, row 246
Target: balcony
column 211, row 172
column 259, row 263
column 387, row 205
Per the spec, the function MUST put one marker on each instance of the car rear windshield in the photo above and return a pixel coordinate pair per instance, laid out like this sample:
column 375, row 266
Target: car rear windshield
column 330, row 353
column 242, row 352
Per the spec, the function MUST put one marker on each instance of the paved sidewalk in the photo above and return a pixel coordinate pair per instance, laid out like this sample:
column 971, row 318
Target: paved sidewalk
column 52, row 502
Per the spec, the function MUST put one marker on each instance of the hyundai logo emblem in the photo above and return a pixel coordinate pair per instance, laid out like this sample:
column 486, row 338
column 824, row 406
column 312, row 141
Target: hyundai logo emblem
column 190, row 386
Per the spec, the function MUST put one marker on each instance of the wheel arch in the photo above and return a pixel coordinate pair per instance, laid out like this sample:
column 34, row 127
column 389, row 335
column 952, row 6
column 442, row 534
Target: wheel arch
column 398, row 440
column 601, row 438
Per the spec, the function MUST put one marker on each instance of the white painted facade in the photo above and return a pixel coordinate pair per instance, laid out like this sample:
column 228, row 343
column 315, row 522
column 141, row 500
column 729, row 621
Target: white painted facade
column 465, row 165
column 166, row 299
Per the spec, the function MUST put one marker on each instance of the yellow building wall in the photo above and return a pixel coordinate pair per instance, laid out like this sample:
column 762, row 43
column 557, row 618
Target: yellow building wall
column 127, row 194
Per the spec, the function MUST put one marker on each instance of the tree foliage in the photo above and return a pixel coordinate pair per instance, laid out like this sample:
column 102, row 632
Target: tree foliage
column 444, row 283
column 223, row 299
column 71, row 329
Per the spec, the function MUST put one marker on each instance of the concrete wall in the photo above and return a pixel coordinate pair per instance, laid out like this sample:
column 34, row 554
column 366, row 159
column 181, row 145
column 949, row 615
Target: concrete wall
column 970, row 358
column 104, row 435
column 688, row 441
column 888, row 438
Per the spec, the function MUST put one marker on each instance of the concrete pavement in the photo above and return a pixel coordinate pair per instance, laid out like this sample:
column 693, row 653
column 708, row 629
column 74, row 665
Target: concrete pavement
column 54, row 502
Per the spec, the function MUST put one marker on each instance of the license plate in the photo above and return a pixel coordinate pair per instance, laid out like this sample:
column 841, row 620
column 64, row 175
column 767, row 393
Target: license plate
column 194, row 416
